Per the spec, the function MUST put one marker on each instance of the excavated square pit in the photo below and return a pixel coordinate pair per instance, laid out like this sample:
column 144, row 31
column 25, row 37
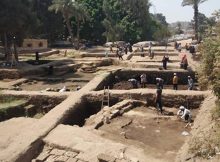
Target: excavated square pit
column 54, row 83
column 139, row 125
column 26, row 106
column 92, row 104
column 119, row 79
column 159, row 136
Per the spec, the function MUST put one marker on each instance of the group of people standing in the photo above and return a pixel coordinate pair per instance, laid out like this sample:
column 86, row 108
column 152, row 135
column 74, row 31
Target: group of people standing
column 150, row 51
column 121, row 50
column 160, row 82
column 176, row 79
column 183, row 112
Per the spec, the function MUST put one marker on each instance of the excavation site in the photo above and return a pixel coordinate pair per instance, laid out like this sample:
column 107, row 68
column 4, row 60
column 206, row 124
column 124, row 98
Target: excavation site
column 109, row 81
column 86, row 109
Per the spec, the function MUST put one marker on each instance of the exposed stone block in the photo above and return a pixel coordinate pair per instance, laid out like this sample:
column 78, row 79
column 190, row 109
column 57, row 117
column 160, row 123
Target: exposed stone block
column 42, row 157
column 57, row 152
column 71, row 154
column 72, row 160
column 105, row 158
column 51, row 158
column 62, row 159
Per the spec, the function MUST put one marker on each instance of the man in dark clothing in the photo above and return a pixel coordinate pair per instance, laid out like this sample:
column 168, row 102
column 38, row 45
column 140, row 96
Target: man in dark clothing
column 176, row 45
column 192, row 49
column 37, row 56
column 142, row 51
column 120, row 54
column 158, row 99
column 190, row 83
column 130, row 48
column 159, row 83
column 126, row 49
column 165, row 60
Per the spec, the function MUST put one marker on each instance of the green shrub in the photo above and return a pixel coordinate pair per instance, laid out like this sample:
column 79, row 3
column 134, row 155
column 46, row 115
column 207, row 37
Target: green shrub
column 209, row 73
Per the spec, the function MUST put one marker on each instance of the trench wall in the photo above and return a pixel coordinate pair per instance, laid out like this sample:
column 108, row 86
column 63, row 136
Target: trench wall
column 169, row 99
column 153, row 74
column 39, row 104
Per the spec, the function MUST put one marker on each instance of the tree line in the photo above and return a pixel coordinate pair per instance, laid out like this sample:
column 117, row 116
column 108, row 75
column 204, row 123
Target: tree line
column 96, row 21
column 92, row 20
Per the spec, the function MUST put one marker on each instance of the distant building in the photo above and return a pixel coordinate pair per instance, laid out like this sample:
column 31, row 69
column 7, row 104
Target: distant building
column 33, row 45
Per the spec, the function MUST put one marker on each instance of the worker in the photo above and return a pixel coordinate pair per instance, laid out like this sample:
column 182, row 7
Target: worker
column 190, row 83
column 179, row 47
column 142, row 51
column 164, row 61
column 185, row 114
column 158, row 99
column 184, row 62
column 63, row 89
column 175, row 82
column 110, row 49
column 134, row 82
column 78, row 88
column 159, row 83
column 150, row 49
column 143, row 80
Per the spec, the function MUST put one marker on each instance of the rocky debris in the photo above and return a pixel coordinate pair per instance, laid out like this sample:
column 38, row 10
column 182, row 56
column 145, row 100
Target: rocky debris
column 50, row 154
column 106, row 158
column 108, row 113
column 80, row 144
column 88, row 69
column 88, row 146
column 17, row 88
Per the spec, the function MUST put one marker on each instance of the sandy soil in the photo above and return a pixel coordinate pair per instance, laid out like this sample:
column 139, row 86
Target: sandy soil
column 70, row 80
column 159, row 136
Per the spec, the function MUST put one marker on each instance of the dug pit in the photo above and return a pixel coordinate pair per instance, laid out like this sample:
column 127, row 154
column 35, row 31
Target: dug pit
column 159, row 136
column 119, row 79
column 91, row 104
column 26, row 106
column 127, row 130
column 71, row 81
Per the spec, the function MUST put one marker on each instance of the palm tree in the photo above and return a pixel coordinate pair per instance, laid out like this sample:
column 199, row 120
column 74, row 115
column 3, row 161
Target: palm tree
column 195, row 4
column 81, row 15
column 67, row 8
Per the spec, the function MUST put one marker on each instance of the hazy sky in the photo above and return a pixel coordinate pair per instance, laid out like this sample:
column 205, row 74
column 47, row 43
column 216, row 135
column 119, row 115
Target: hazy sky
column 173, row 10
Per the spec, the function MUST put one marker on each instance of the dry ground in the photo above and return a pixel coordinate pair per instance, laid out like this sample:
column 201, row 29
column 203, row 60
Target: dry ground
column 159, row 136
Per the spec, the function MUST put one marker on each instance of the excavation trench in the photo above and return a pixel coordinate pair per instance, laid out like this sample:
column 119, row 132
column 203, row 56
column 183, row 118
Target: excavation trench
column 119, row 79
column 26, row 106
column 91, row 104
column 131, row 121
